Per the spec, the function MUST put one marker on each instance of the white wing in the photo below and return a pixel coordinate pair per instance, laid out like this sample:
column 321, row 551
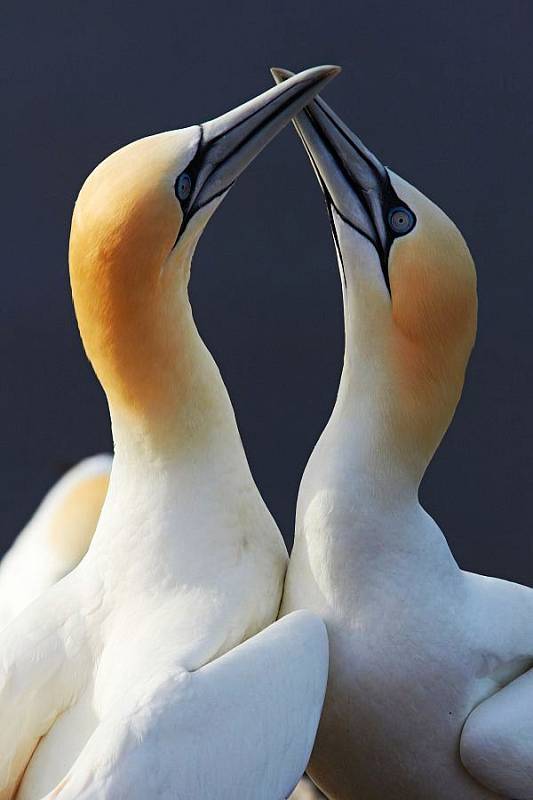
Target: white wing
column 43, row 652
column 56, row 537
column 497, row 740
column 241, row 727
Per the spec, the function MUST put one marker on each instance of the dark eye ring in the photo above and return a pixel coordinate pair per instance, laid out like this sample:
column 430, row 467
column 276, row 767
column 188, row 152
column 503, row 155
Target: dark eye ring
column 401, row 220
column 183, row 186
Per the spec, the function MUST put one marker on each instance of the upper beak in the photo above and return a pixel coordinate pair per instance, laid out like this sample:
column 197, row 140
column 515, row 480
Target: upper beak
column 230, row 142
column 355, row 183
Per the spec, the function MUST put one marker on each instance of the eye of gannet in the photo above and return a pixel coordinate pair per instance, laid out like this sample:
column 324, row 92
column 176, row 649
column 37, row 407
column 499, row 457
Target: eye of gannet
column 401, row 220
column 183, row 186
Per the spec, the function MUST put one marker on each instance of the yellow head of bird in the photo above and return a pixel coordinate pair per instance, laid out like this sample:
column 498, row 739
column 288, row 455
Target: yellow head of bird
column 409, row 288
column 135, row 225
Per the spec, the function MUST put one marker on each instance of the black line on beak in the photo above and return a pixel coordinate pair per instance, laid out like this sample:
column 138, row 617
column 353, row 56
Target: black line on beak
column 191, row 207
column 382, row 255
column 329, row 204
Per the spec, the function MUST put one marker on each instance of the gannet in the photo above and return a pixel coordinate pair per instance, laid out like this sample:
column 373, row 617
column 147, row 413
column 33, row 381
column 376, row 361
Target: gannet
column 145, row 672
column 429, row 693
column 56, row 537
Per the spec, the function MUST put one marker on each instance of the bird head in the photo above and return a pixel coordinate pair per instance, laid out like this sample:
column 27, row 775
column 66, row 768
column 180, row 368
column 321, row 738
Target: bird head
column 135, row 226
column 409, row 287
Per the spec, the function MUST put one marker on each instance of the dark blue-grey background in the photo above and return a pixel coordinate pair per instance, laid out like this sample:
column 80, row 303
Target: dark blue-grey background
column 441, row 91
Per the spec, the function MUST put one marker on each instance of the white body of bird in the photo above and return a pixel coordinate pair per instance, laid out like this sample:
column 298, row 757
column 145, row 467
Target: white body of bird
column 56, row 538
column 133, row 676
column 420, row 651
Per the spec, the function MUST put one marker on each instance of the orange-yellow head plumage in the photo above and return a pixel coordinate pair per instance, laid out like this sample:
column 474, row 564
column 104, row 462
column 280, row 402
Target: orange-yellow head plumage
column 409, row 288
column 135, row 226
column 434, row 315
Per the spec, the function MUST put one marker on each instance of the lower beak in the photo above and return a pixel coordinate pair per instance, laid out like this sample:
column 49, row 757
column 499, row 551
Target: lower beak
column 230, row 142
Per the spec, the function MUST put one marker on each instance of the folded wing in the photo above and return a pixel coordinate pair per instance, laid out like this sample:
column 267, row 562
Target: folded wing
column 497, row 740
column 242, row 726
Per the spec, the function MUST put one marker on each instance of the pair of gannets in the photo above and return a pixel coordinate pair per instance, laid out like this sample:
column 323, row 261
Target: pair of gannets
column 430, row 690
column 146, row 671
column 56, row 538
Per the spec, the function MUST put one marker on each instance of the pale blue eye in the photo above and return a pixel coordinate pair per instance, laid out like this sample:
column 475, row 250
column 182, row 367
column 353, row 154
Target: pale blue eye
column 401, row 220
column 183, row 186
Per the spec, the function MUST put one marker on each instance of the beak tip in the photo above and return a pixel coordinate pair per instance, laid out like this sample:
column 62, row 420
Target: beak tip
column 279, row 74
column 328, row 71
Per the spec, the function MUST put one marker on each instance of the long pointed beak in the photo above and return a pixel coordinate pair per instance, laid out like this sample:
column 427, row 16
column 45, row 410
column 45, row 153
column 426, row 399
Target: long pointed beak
column 230, row 142
column 355, row 183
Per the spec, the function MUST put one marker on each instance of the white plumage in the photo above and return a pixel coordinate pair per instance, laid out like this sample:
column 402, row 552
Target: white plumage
column 56, row 538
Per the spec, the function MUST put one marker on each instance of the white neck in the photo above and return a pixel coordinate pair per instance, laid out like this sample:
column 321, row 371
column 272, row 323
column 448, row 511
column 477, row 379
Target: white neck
column 179, row 487
column 358, row 456
column 358, row 506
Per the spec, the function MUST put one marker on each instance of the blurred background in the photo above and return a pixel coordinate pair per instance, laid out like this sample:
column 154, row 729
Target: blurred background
column 441, row 92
